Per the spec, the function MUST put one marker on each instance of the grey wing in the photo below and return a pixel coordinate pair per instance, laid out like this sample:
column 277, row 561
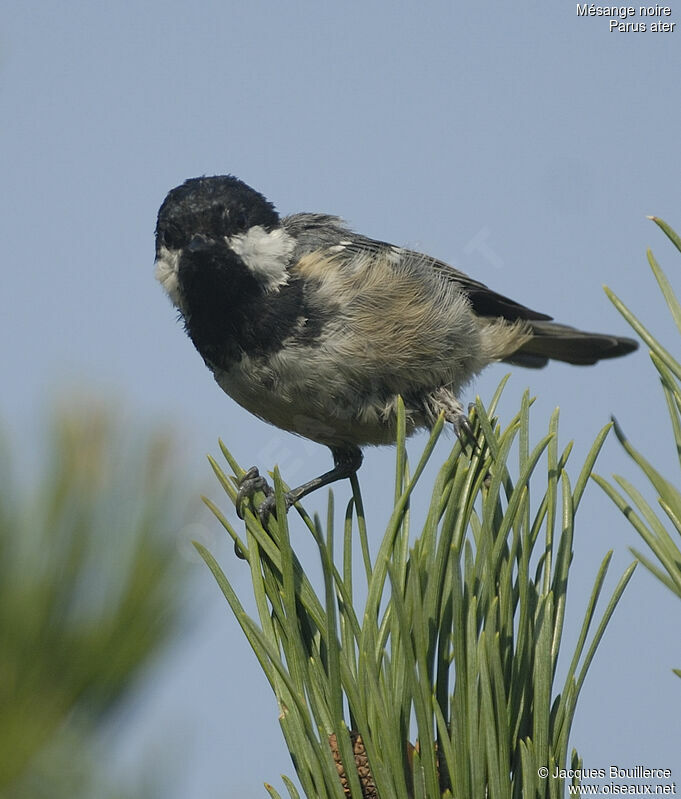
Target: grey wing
column 322, row 231
column 484, row 301
column 315, row 232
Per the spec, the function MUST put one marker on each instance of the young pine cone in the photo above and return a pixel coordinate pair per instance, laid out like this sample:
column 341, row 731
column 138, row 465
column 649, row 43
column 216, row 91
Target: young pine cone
column 361, row 764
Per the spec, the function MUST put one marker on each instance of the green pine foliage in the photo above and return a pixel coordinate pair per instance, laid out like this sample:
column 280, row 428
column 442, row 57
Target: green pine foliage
column 654, row 528
column 89, row 593
column 432, row 672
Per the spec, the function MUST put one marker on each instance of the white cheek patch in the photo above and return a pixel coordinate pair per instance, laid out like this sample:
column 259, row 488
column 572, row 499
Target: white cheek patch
column 166, row 273
column 267, row 255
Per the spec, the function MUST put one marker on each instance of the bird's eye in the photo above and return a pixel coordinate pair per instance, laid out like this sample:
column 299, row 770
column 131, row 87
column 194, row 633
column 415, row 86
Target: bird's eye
column 237, row 219
column 172, row 238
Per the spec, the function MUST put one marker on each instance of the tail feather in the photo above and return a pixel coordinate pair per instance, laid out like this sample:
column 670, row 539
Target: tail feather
column 551, row 341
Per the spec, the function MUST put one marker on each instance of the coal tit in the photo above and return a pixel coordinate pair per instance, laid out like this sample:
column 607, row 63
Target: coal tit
column 317, row 329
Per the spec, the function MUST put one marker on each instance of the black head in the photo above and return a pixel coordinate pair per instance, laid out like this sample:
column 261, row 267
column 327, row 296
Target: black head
column 222, row 256
column 215, row 207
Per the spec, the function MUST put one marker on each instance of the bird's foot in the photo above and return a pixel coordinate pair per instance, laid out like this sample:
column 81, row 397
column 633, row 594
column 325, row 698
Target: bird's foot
column 268, row 507
column 252, row 482
column 249, row 484
column 464, row 430
column 445, row 400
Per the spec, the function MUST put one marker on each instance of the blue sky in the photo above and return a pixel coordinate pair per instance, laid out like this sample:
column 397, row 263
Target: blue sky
column 518, row 141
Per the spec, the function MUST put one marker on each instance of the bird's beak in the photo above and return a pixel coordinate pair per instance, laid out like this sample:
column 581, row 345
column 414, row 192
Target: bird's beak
column 198, row 242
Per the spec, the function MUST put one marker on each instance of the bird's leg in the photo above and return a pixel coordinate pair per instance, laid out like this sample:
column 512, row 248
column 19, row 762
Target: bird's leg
column 444, row 400
column 346, row 460
column 464, row 431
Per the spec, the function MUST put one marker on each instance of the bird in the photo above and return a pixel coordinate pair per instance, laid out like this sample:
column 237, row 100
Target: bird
column 318, row 330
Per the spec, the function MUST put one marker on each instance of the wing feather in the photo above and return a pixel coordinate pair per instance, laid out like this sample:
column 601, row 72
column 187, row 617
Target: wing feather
column 315, row 231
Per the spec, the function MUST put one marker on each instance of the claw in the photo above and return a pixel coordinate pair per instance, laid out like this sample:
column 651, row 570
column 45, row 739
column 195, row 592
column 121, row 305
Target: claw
column 464, row 432
column 269, row 507
column 249, row 484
